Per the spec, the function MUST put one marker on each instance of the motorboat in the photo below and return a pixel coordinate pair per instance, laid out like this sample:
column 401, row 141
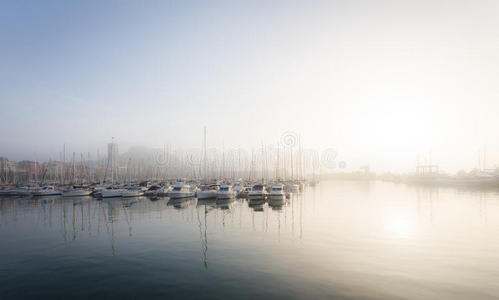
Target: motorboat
column 258, row 192
column 135, row 191
column 277, row 193
column 181, row 190
column 225, row 192
column 208, row 192
column 46, row 191
column 158, row 191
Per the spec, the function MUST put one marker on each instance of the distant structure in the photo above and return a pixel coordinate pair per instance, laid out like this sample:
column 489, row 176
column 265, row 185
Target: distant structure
column 112, row 159
column 424, row 170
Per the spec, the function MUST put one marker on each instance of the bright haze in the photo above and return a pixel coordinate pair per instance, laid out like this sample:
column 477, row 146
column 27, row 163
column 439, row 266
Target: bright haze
column 379, row 81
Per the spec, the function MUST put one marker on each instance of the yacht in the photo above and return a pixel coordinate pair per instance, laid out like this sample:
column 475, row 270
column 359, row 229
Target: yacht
column 135, row 191
column 277, row 193
column 76, row 192
column 165, row 190
column 181, row 190
column 111, row 193
column 258, row 192
column 18, row 191
column 207, row 192
column 293, row 188
column 225, row 192
column 46, row 191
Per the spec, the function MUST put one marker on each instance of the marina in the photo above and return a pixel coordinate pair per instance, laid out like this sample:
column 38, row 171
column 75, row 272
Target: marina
column 336, row 149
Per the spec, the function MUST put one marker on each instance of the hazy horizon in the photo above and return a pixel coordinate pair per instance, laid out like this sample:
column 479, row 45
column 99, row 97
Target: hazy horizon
column 381, row 82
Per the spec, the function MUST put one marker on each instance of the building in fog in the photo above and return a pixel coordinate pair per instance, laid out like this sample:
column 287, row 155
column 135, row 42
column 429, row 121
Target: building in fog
column 112, row 160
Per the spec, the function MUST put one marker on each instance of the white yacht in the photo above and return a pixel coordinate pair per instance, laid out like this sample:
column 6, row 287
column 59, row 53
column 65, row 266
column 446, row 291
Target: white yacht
column 226, row 192
column 46, row 191
column 207, row 192
column 76, row 192
column 258, row 192
column 181, row 190
column 277, row 193
column 132, row 192
column 111, row 193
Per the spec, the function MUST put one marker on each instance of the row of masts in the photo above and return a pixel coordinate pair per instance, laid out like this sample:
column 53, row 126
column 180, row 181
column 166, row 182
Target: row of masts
column 267, row 163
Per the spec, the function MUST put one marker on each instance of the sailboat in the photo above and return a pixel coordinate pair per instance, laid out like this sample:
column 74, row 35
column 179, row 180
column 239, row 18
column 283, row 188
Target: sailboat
column 76, row 192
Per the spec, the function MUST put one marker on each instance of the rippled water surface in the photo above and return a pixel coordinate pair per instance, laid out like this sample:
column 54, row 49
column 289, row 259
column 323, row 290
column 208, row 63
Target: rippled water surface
column 339, row 240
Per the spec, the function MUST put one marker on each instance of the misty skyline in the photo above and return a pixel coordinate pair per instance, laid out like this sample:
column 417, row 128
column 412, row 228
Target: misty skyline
column 381, row 82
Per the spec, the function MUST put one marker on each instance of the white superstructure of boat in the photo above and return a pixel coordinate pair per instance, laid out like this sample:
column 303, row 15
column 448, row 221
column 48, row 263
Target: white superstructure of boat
column 226, row 192
column 181, row 190
column 258, row 192
column 293, row 188
column 46, row 191
column 277, row 193
column 132, row 192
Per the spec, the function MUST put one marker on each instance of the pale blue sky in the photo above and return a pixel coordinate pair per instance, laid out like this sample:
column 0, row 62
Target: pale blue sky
column 377, row 80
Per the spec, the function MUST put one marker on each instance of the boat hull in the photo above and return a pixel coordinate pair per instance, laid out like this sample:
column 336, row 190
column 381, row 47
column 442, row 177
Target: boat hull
column 76, row 193
column 203, row 195
column 174, row 195
column 111, row 193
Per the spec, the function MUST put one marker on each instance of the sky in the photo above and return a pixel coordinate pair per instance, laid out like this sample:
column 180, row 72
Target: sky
column 381, row 82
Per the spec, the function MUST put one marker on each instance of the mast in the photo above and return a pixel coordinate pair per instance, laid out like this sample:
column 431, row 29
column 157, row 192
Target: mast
column 277, row 164
column 63, row 163
column 112, row 162
column 204, row 155
column 263, row 165
column 73, row 170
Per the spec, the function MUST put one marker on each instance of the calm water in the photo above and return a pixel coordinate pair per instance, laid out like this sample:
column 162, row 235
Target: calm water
column 339, row 240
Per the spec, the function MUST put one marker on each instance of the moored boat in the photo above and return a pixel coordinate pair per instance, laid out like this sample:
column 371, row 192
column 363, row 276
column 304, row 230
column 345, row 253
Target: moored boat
column 46, row 191
column 225, row 192
column 132, row 192
column 181, row 190
column 208, row 192
column 76, row 192
column 277, row 193
column 258, row 192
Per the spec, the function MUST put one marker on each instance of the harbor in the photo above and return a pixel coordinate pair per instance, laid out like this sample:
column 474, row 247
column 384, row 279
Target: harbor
column 341, row 150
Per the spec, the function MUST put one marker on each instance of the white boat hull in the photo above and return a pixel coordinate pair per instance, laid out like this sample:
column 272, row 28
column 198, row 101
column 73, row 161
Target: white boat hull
column 76, row 193
column 111, row 193
column 211, row 194
column 179, row 195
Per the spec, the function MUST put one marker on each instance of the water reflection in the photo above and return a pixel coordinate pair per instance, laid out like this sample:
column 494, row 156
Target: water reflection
column 343, row 236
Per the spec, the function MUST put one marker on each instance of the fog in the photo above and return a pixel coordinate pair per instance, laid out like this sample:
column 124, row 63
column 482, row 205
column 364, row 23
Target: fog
column 383, row 83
